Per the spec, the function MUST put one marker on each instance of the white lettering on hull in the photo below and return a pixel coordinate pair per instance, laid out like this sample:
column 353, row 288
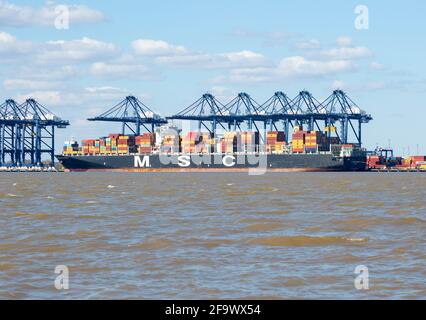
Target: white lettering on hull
column 142, row 163
column 184, row 161
column 228, row 161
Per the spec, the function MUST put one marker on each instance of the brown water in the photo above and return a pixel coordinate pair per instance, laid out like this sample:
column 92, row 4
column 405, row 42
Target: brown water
column 191, row 236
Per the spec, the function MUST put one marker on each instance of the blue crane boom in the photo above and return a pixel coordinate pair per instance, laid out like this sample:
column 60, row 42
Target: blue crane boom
column 131, row 111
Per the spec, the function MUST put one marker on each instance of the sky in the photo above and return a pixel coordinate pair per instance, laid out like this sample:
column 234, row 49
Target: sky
column 168, row 53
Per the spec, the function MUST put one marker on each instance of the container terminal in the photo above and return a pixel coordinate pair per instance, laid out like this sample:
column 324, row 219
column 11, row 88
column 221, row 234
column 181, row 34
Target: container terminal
column 27, row 132
column 300, row 134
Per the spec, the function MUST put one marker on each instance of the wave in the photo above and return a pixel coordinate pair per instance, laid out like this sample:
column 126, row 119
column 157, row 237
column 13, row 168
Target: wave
column 305, row 241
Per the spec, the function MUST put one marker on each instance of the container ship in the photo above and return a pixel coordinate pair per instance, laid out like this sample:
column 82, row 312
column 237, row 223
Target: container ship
column 166, row 149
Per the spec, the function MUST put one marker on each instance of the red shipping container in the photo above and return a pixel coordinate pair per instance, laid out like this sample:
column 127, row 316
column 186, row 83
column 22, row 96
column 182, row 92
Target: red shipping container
column 145, row 149
column 417, row 158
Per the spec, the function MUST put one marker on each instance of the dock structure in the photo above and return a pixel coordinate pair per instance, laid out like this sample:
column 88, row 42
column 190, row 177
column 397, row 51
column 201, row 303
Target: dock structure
column 27, row 131
column 337, row 114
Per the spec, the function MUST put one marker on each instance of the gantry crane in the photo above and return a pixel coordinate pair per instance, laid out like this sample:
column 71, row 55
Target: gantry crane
column 337, row 109
column 27, row 129
column 133, row 114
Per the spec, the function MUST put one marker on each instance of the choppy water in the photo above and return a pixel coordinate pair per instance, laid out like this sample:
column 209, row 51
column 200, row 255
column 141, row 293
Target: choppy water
column 191, row 236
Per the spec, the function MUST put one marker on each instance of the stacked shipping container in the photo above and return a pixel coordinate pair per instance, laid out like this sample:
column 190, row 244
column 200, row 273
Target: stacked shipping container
column 413, row 162
column 249, row 141
column 231, row 140
column 126, row 144
column 313, row 139
column 203, row 142
column 89, row 146
column 206, row 143
column 111, row 144
column 117, row 144
column 409, row 163
column 145, row 142
column 190, row 142
column 171, row 143
column 373, row 162
column 70, row 148
column 275, row 141
column 298, row 141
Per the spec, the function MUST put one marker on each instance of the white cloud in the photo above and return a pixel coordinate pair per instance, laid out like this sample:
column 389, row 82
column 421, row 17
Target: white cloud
column 46, row 73
column 219, row 91
column 46, row 97
column 308, row 44
column 76, row 50
column 223, row 94
column 80, row 14
column 52, row 61
column 376, row 66
column 103, row 96
column 192, row 59
column 165, row 53
column 108, row 95
column 6, row 38
column 10, row 46
column 287, row 68
column 118, row 70
column 299, row 66
column 125, row 66
column 336, row 84
column 376, row 85
column 344, row 41
column 12, row 15
column 244, row 56
column 346, row 53
column 105, row 93
column 104, row 89
column 156, row 48
column 214, row 61
column 97, row 98
column 250, row 75
column 59, row 51
column 26, row 84
column 271, row 38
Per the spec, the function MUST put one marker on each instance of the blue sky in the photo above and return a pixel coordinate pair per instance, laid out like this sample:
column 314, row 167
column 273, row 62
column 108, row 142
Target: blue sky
column 168, row 53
